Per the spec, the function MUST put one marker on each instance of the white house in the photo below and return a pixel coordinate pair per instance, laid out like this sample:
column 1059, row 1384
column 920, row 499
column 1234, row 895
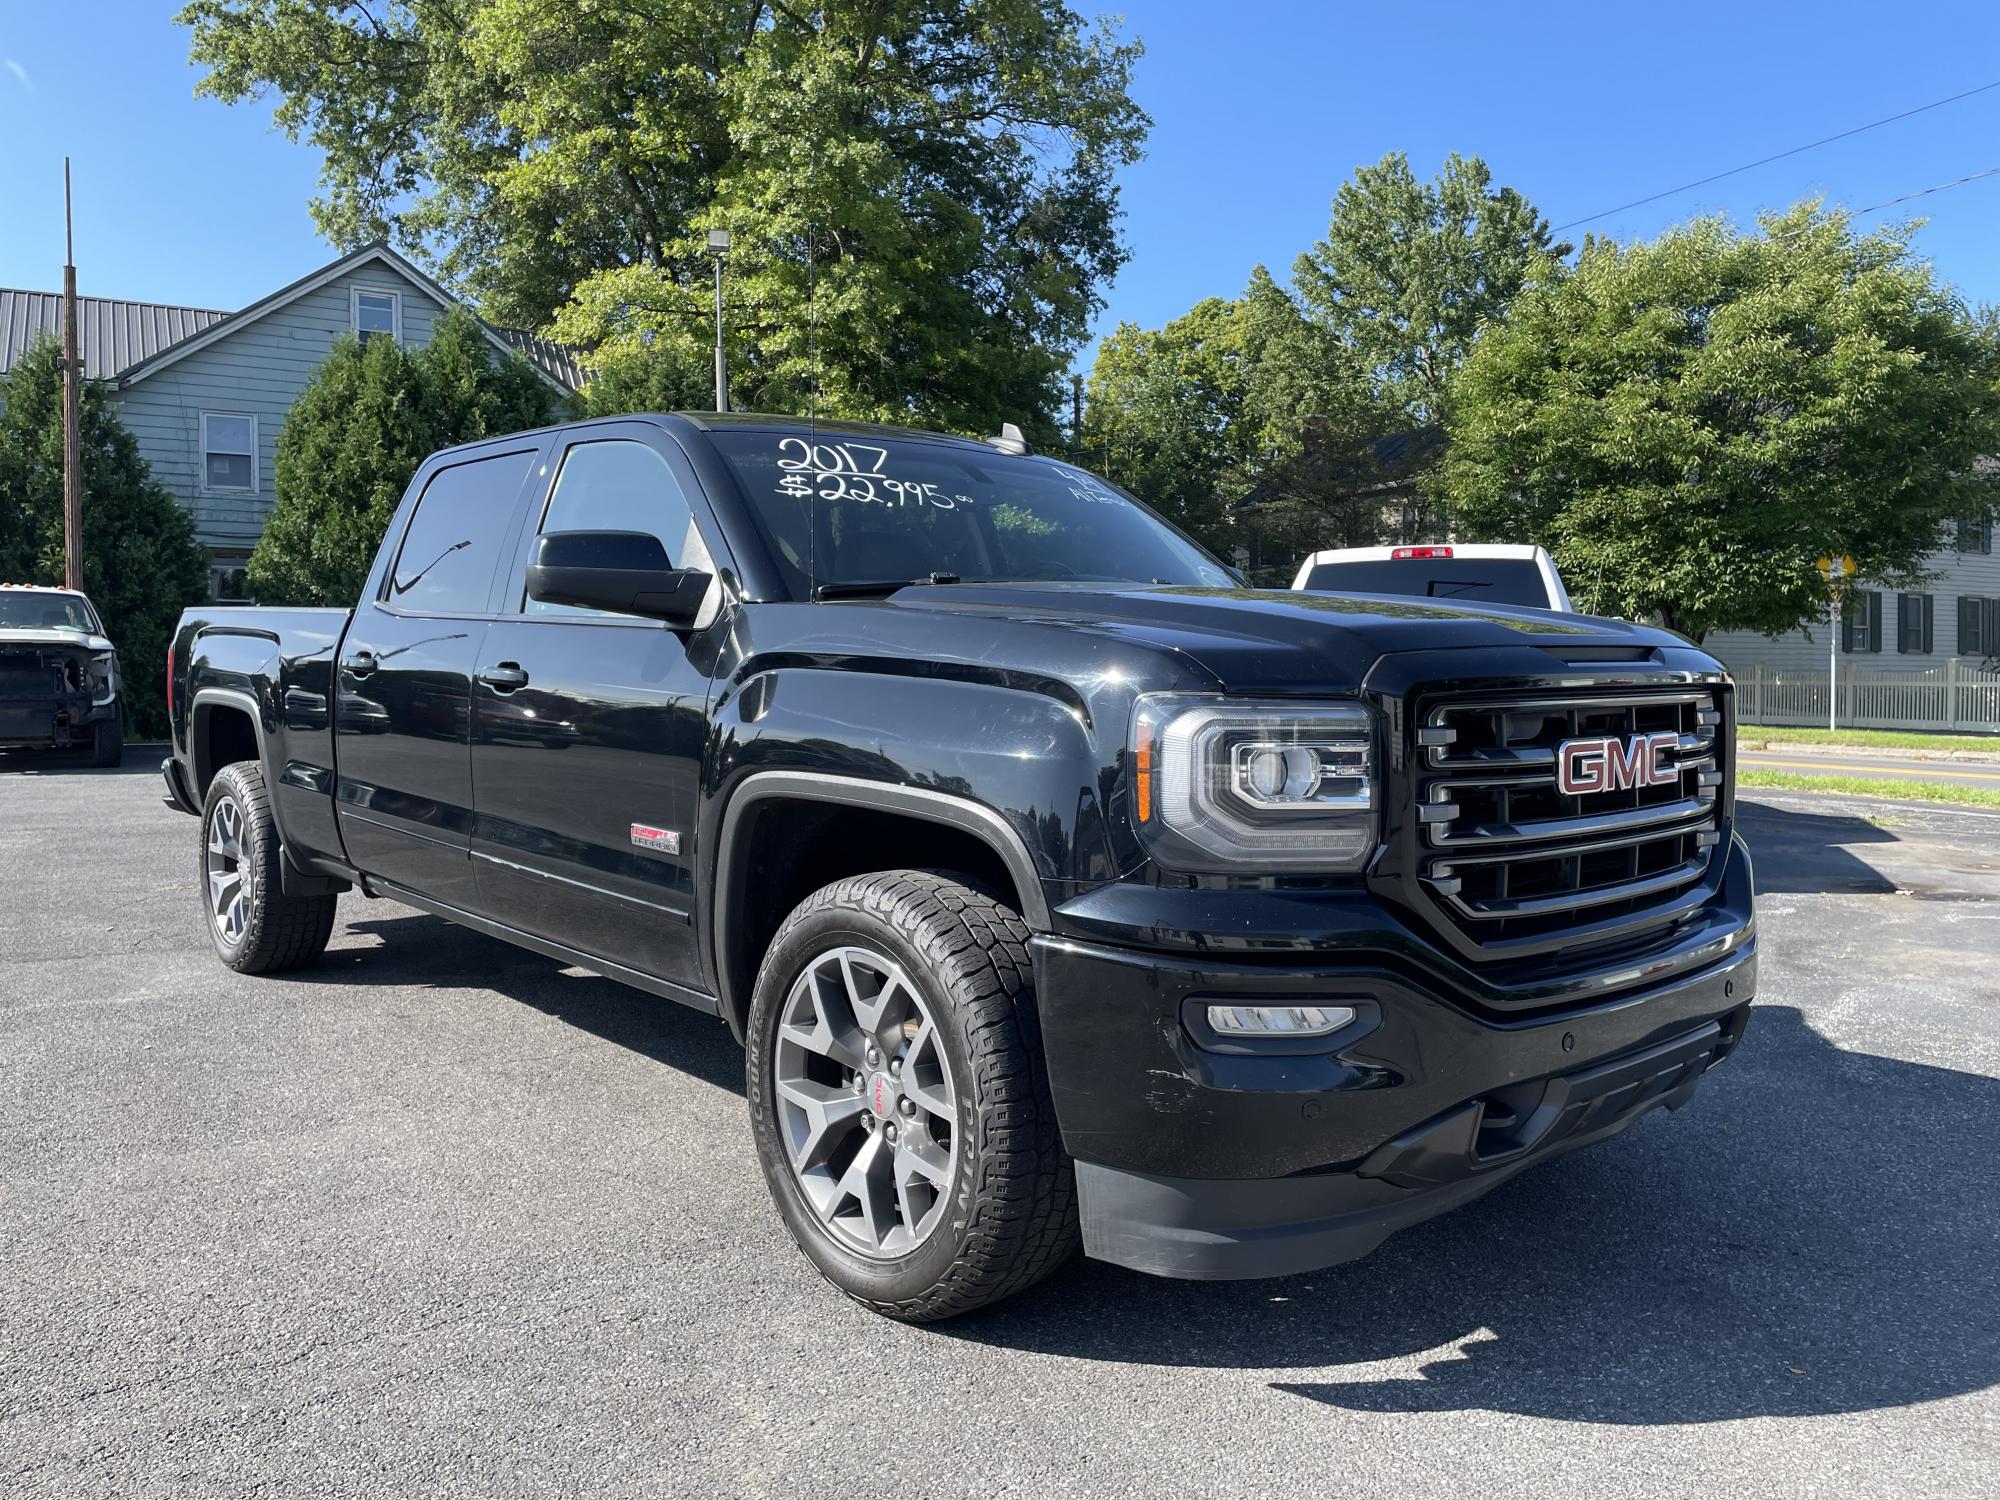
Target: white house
column 205, row 392
column 1956, row 616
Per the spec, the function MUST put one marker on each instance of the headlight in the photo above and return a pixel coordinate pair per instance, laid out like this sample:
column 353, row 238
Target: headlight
column 1228, row 786
column 104, row 675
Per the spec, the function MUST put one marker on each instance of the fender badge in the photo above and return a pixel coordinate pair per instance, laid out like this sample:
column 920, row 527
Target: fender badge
column 659, row 840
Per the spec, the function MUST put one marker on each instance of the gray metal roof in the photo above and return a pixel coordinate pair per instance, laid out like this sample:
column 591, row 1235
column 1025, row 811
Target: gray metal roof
column 551, row 358
column 118, row 337
column 111, row 335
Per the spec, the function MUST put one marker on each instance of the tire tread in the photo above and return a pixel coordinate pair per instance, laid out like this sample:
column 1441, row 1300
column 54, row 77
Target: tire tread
column 1023, row 1218
column 287, row 932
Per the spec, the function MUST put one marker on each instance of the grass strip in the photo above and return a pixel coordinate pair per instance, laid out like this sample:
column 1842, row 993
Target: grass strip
column 1757, row 736
column 1869, row 786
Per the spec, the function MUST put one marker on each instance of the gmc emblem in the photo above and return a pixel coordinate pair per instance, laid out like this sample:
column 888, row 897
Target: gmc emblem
column 1614, row 765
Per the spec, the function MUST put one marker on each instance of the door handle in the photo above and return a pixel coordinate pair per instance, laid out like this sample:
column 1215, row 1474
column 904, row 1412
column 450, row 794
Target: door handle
column 361, row 663
column 505, row 677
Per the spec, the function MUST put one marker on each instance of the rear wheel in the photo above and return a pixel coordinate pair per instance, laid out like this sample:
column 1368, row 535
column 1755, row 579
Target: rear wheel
column 255, row 926
column 897, row 1093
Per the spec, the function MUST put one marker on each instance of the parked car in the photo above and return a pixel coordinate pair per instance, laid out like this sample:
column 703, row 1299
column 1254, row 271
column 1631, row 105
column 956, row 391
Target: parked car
column 58, row 674
column 1482, row 573
column 1056, row 885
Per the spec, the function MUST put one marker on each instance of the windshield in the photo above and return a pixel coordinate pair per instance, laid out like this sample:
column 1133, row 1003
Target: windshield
column 842, row 511
column 1493, row 580
column 21, row 611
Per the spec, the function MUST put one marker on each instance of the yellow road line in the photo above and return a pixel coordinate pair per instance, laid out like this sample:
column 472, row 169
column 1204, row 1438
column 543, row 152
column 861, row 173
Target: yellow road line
column 1849, row 768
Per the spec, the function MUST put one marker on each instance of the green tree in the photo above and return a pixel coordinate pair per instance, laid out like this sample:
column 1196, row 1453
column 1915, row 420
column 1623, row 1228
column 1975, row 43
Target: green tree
column 920, row 192
column 1165, row 417
column 141, row 563
column 1246, row 422
column 1408, row 272
column 357, row 432
column 1689, row 424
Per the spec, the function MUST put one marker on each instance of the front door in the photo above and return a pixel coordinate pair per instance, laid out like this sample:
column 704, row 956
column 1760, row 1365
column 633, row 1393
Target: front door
column 588, row 729
column 403, row 705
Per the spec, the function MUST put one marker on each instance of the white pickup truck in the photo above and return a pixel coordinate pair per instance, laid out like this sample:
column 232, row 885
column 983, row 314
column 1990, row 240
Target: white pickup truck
column 1488, row 573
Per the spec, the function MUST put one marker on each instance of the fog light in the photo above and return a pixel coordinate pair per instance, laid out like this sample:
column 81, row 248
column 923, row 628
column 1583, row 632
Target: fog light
column 1278, row 1020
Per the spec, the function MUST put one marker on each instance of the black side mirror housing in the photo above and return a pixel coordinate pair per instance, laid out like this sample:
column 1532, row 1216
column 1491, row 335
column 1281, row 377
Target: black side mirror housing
column 626, row 572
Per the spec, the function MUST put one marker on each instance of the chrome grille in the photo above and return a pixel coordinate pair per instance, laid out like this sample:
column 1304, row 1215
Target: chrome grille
column 1513, row 861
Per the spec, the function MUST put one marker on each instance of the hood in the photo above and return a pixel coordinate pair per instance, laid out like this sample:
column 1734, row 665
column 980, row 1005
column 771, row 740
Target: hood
column 1271, row 640
column 12, row 639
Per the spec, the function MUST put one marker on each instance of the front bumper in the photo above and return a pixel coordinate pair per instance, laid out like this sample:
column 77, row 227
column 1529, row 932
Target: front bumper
column 58, row 721
column 1266, row 1160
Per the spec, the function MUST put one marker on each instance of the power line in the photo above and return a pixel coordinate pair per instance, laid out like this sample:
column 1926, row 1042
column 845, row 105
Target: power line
column 1926, row 192
column 1766, row 161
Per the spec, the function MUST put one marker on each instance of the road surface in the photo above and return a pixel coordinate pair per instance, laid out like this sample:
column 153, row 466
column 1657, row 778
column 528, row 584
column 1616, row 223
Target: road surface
column 442, row 1217
column 1884, row 765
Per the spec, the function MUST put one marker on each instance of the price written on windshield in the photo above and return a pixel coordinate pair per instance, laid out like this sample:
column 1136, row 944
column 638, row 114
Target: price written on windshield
column 854, row 471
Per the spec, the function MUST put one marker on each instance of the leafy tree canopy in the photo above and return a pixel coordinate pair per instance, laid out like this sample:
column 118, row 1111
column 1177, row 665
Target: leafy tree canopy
column 1689, row 424
column 1243, row 420
column 357, row 432
column 141, row 563
column 1409, row 272
column 933, row 178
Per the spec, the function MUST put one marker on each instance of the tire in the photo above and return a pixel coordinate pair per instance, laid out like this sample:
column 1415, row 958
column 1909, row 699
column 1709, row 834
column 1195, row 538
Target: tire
column 974, row 1094
column 255, row 926
column 107, row 742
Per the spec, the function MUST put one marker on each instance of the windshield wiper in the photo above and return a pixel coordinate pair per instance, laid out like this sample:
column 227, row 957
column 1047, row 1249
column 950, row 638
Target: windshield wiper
column 880, row 589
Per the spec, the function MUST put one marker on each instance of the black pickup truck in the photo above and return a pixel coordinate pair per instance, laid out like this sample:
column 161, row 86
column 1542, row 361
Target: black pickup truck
column 1056, row 884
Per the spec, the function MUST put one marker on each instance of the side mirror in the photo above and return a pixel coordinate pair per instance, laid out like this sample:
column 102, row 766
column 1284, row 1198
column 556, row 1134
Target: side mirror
column 626, row 572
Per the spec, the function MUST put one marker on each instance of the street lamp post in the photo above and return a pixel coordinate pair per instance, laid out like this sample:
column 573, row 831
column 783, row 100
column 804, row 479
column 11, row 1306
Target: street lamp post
column 718, row 246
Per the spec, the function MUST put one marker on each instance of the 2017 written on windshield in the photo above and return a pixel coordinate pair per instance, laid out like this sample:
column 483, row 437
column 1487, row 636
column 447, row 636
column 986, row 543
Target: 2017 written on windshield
column 857, row 471
column 854, row 471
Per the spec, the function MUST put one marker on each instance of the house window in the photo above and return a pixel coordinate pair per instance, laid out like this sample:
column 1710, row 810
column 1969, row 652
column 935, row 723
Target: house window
column 1978, row 626
column 1913, row 624
column 377, row 315
column 1975, row 534
column 1861, row 622
column 228, row 452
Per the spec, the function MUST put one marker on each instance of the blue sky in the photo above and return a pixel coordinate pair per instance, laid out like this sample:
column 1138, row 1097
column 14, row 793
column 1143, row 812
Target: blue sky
column 1260, row 110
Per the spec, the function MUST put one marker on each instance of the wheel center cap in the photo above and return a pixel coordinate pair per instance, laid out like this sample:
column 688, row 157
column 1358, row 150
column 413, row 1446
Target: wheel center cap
column 882, row 1095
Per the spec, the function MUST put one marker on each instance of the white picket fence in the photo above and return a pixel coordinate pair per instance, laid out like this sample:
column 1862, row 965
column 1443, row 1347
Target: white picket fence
column 1953, row 696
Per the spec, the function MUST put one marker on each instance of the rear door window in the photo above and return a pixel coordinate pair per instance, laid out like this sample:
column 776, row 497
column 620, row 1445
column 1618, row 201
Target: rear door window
column 1500, row 580
column 445, row 565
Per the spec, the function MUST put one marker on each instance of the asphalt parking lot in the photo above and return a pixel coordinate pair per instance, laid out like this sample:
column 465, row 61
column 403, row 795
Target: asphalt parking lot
column 444, row 1218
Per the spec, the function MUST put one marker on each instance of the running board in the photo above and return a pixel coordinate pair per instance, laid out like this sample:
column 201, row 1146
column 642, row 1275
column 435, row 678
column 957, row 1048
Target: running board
column 548, row 948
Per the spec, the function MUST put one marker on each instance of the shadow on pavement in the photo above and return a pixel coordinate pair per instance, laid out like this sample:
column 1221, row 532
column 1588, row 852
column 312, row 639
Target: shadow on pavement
column 1814, row 1234
column 421, row 949
column 1807, row 853
column 140, row 760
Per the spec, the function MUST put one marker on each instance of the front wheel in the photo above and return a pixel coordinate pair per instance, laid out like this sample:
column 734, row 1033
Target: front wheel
column 898, row 1097
column 255, row 926
column 107, row 741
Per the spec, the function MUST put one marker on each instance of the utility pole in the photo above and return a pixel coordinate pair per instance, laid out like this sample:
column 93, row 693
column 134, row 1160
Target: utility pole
column 1076, row 415
column 72, row 409
column 718, row 246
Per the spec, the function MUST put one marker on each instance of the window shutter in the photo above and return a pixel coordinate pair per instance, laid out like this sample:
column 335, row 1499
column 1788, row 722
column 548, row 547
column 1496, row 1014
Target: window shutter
column 1989, row 630
column 1847, row 623
column 1930, row 620
column 1875, row 623
column 1971, row 617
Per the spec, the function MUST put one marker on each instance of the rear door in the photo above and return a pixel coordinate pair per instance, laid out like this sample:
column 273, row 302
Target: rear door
column 403, row 685
column 588, row 727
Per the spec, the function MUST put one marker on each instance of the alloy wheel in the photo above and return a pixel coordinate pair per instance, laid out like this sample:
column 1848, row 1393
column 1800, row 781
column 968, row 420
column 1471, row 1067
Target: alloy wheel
column 866, row 1107
column 226, row 904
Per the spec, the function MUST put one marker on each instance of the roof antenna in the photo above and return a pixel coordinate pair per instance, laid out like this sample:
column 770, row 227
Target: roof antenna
column 1011, row 441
